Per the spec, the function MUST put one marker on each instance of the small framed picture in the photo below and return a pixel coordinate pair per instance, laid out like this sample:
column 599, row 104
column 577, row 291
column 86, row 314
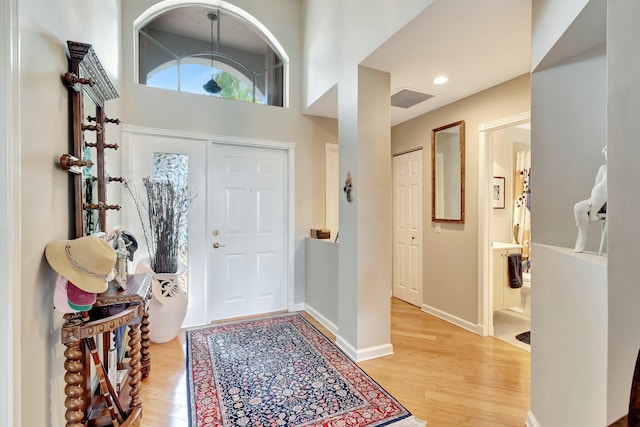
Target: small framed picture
column 498, row 192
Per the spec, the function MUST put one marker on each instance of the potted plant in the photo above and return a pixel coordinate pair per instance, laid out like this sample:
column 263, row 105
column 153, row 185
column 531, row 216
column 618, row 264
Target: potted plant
column 163, row 216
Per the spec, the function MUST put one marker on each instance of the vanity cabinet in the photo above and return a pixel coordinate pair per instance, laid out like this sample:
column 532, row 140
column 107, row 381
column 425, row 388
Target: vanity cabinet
column 503, row 295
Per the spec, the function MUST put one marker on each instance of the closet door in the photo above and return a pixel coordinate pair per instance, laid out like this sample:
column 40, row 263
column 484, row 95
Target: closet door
column 407, row 227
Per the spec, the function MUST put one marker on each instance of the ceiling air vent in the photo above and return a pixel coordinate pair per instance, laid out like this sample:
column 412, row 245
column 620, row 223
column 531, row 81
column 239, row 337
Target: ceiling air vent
column 406, row 98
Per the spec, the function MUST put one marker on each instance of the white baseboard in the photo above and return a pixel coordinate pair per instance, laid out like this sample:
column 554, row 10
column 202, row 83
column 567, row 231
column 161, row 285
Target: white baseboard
column 346, row 348
column 531, row 420
column 356, row 355
column 365, row 353
column 297, row 307
column 464, row 324
column 332, row 327
column 374, row 352
column 483, row 330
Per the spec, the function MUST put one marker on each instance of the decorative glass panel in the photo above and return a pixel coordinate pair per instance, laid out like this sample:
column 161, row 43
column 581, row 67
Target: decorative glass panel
column 175, row 167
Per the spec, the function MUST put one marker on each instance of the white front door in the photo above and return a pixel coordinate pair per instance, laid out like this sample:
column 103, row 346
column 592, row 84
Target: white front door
column 247, row 231
column 407, row 227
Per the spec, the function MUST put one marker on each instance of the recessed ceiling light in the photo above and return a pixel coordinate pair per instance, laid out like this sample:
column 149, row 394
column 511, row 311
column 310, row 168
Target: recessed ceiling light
column 440, row 80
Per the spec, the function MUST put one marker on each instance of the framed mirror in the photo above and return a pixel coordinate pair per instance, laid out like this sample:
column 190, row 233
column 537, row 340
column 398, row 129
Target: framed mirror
column 89, row 173
column 89, row 88
column 447, row 173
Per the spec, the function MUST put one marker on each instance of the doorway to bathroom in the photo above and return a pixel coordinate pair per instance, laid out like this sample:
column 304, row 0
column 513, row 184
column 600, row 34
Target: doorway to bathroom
column 504, row 228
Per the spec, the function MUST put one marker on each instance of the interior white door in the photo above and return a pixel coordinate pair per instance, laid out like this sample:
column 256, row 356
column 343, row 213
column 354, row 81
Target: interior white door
column 407, row 227
column 247, row 220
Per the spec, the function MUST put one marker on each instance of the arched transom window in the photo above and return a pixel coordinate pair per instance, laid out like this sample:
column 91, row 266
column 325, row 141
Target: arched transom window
column 211, row 51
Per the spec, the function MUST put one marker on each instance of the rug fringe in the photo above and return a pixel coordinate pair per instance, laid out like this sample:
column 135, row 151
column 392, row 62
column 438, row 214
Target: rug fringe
column 409, row 422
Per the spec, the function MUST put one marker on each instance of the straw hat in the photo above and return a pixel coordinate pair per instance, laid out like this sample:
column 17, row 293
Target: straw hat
column 87, row 262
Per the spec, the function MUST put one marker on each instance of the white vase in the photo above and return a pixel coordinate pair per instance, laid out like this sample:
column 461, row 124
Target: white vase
column 168, row 306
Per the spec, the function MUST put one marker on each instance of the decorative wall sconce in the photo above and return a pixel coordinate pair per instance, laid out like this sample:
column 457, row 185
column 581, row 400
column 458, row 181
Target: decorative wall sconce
column 347, row 187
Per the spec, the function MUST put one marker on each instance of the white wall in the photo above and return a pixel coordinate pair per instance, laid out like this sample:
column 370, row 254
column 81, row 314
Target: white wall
column 581, row 102
column 623, row 60
column 569, row 338
column 374, row 222
column 552, row 19
column 365, row 222
column 339, row 32
column 321, row 296
column 568, row 108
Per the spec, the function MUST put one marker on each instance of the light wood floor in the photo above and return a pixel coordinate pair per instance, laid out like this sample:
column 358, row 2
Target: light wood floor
column 441, row 373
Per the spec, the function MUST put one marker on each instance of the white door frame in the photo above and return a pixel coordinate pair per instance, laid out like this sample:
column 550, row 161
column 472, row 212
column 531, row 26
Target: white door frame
column 485, row 182
column 247, row 142
column 143, row 145
column 290, row 148
column 225, row 289
column 332, row 185
column 10, row 395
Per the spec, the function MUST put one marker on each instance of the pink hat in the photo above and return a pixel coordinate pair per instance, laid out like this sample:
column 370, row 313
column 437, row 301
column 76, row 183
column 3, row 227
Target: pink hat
column 78, row 297
column 60, row 296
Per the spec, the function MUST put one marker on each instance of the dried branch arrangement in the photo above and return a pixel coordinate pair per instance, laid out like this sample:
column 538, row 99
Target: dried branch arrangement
column 162, row 215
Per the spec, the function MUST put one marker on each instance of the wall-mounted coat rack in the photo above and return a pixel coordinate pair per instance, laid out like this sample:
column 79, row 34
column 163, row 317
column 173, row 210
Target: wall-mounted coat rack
column 89, row 88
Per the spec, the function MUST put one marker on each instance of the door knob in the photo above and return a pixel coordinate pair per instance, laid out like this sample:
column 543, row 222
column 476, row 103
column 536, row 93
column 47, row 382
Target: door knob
column 217, row 245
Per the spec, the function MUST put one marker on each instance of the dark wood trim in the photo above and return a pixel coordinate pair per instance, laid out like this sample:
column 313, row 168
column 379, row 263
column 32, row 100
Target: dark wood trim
column 86, row 75
column 462, row 172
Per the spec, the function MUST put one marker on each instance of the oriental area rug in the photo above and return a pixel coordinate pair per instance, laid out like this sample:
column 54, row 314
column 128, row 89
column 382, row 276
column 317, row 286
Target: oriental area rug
column 281, row 371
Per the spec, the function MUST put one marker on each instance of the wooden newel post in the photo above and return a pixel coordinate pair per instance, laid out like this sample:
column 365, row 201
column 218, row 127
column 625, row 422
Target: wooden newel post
column 135, row 376
column 144, row 345
column 74, row 376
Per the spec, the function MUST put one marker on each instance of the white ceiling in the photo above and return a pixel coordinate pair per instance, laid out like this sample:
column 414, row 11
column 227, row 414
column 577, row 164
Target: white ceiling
column 477, row 44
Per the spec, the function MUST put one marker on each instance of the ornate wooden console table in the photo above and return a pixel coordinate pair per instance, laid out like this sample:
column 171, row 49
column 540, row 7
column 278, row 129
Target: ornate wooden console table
column 113, row 309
